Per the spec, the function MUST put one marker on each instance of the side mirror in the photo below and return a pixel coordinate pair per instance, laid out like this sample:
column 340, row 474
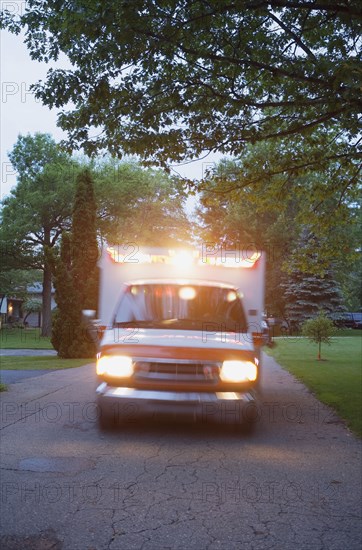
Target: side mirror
column 88, row 314
column 258, row 339
column 94, row 329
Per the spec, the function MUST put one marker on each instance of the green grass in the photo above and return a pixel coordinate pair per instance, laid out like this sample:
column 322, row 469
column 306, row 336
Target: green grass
column 336, row 381
column 349, row 332
column 41, row 363
column 3, row 387
column 23, row 338
column 277, row 332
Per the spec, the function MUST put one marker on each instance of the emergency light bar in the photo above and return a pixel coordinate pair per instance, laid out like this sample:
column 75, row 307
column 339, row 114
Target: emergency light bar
column 208, row 256
column 122, row 263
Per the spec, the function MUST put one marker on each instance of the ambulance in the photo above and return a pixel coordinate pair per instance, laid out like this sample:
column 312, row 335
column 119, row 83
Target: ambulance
column 181, row 333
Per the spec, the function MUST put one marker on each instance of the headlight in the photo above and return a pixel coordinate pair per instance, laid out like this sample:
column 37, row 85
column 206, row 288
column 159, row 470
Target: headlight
column 238, row 371
column 115, row 365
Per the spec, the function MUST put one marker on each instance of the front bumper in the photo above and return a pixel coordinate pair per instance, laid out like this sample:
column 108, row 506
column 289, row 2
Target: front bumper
column 122, row 403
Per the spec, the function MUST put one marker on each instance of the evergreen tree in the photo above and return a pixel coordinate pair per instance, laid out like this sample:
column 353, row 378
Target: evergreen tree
column 84, row 242
column 65, row 316
column 76, row 276
column 306, row 295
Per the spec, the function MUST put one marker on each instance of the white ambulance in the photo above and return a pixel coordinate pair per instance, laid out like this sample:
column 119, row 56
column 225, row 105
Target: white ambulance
column 182, row 331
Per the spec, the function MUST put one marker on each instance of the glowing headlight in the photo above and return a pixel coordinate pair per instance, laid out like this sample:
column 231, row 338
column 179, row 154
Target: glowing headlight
column 115, row 365
column 238, row 371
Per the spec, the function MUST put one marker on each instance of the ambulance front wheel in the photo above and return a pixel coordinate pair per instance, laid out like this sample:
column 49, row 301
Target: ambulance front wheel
column 107, row 419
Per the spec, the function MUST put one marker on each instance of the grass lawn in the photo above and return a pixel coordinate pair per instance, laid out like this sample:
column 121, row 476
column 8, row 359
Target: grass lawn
column 23, row 338
column 337, row 381
column 349, row 332
column 3, row 387
column 41, row 363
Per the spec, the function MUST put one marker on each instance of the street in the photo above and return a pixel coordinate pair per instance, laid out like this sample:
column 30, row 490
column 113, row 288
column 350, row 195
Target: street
column 295, row 482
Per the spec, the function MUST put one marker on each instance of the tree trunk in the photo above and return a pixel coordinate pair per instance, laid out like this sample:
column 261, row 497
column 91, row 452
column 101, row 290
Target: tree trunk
column 46, row 329
column 319, row 351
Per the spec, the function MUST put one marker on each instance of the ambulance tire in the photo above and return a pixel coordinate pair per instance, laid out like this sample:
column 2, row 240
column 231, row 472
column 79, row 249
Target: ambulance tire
column 107, row 419
column 246, row 427
column 247, row 422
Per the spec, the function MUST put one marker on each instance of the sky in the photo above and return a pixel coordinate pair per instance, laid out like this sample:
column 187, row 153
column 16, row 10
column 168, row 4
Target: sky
column 22, row 113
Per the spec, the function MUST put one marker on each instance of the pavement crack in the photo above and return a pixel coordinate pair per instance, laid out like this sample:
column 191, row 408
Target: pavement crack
column 37, row 411
column 114, row 531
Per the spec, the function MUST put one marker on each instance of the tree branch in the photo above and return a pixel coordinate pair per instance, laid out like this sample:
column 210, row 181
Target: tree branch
column 275, row 71
column 311, row 6
column 297, row 39
column 350, row 182
column 263, row 104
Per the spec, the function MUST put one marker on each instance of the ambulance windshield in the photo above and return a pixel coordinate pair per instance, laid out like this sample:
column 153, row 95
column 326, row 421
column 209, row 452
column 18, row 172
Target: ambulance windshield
column 182, row 307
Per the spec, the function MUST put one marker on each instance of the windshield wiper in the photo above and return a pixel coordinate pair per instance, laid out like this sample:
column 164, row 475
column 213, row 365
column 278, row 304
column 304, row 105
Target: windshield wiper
column 183, row 321
column 160, row 323
column 185, row 324
column 216, row 324
column 132, row 324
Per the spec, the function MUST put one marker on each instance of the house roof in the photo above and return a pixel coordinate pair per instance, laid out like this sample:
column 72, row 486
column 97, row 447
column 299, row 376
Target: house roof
column 36, row 288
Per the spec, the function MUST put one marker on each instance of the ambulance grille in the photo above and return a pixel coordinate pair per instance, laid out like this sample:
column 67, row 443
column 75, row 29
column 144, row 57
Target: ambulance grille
column 185, row 372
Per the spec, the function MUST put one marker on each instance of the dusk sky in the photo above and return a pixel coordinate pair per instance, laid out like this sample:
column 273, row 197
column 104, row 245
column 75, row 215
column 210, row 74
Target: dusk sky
column 20, row 112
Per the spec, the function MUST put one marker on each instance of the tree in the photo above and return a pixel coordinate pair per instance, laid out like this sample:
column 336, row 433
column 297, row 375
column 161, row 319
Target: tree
column 308, row 293
column 319, row 330
column 349, row 274
column 38, row 209
column 76, row 275
column 65, row 317
column 304, row 272
column 31, row 305
column 142, row 206
column 325, row 201
column 84, row 242
column 350, row 282
column 173, row 80
column 233, row 219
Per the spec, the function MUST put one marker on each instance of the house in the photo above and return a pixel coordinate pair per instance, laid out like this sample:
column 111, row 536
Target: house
column 13, row 311
column 34, row 291
column 10, row 309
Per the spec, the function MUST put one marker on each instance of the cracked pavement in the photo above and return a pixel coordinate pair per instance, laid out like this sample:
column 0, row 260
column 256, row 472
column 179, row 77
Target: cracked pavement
column 294, row 482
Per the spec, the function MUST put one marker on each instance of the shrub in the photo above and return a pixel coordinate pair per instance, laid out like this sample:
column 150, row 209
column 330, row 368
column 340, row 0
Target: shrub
column 319, row 330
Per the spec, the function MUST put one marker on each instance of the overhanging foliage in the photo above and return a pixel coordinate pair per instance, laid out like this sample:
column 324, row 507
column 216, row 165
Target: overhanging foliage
column 169, row 80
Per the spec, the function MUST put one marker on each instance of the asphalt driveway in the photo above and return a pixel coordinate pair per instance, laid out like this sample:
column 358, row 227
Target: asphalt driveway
column 14, row 376
column 294, row 483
